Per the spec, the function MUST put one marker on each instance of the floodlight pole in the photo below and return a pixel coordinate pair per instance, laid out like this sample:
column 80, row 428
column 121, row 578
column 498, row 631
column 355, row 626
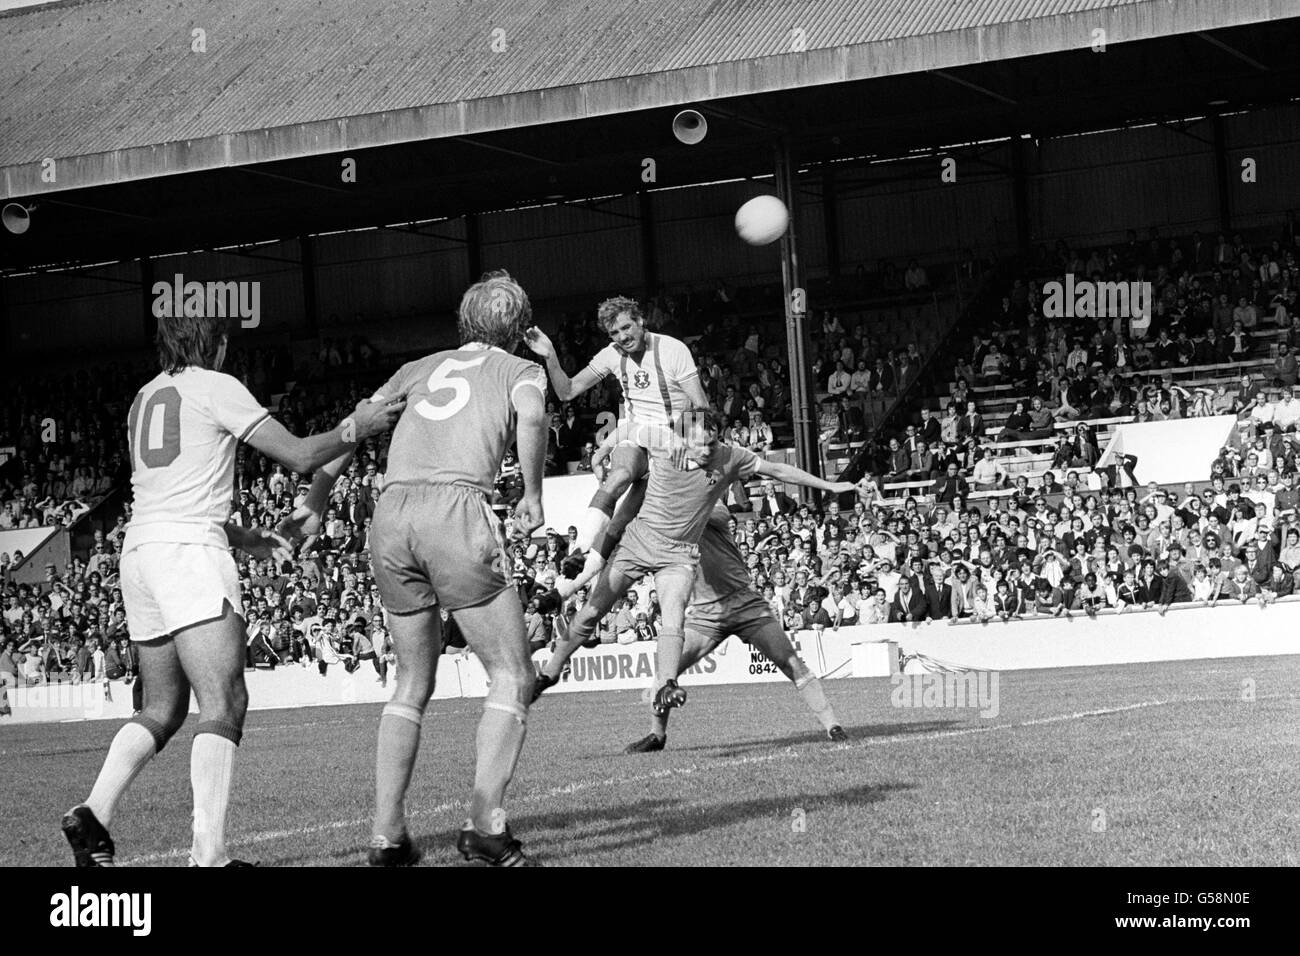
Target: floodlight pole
column 802, row 407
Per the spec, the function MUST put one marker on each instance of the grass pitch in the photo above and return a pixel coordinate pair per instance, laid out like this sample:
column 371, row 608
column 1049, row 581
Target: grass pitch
column 1148, row 764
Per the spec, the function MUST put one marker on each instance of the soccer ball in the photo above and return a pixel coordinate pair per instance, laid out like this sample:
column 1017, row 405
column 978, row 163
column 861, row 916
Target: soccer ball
column 762, row 220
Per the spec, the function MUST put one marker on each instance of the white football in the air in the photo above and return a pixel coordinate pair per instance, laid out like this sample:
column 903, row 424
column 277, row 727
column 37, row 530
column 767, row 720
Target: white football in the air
column 762, row 220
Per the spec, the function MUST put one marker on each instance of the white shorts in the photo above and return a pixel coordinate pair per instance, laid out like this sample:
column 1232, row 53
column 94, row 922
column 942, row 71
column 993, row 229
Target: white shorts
column 168, row 587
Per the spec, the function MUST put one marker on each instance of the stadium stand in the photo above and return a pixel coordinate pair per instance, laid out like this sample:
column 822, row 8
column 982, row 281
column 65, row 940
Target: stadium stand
column 316, row 612
column 991, row 502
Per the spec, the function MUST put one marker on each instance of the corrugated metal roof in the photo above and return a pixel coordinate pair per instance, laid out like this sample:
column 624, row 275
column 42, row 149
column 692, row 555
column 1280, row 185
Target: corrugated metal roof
column 102, row 76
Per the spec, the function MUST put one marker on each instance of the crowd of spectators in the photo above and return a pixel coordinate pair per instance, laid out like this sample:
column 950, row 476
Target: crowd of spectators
column 1118, row 367
column 64, row 434
column 322, row 609
column 1066, row 541
column 1050, row 548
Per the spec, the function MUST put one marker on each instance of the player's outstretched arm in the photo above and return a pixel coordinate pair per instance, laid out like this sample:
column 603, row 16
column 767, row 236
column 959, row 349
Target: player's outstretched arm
column 531, row 436
column 307, row 454
column 797, row 476
column 306, row 519
column 260, row 543
column 566, row 388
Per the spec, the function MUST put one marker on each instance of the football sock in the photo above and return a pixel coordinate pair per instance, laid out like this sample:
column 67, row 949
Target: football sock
column 810, row 689
column 499, row 740
column 658, row 724
column 212, row 762
column 399, row 742
column 668, row 656
column 132, row 748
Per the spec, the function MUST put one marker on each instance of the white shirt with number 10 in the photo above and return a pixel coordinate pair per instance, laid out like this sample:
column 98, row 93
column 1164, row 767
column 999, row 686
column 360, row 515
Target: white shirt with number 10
column 183, row 430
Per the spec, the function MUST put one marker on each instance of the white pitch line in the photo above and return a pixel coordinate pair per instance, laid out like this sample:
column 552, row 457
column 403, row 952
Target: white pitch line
column 667, row 772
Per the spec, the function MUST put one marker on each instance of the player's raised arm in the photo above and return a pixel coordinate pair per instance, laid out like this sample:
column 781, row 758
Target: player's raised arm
column 307, row 517
column 260, row 543
column 529, row 400
column 307, row 454
column 797, row 476
column 566, row 388
column 687, row 375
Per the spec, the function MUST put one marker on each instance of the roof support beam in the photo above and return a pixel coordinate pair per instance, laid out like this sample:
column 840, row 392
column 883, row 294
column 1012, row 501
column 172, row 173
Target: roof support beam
column 1233, row 51
column 469, row 141
column 945, row 75
column 254, row 171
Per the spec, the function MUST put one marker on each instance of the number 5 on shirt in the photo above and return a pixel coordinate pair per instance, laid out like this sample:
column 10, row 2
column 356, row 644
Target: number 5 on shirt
column 442, row 381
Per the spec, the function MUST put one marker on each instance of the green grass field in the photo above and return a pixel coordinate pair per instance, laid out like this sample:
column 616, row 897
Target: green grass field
column 1141, row 764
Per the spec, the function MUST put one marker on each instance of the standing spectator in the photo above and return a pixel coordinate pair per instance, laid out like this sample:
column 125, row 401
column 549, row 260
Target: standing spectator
column 1174, row 588
column 1284, row 366
column 951, row 486
column 99, row 666
column 908, row 606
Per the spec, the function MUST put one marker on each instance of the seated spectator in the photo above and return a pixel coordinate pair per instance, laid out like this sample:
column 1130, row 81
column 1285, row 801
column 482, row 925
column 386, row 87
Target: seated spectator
column 915, row 278
column 838, row 384
column 987, row 473
column 922, row 465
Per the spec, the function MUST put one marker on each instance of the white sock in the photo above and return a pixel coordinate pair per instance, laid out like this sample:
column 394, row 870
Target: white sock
column 132, row 748
column 810, row 689
column 591, row 524
column 212, row 762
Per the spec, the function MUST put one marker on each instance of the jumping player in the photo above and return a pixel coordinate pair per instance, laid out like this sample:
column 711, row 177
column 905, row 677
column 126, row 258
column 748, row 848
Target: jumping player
column 724, row 603
column 179, row 581
column 688, row 475
column 435, row 541
column 659, row 380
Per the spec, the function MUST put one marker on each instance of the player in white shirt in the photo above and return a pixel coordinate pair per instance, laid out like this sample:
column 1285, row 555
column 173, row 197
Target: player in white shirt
column 179, row 581
column 659, row 380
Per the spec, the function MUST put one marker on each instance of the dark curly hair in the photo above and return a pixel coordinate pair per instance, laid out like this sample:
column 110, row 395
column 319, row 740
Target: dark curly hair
column 609, row 311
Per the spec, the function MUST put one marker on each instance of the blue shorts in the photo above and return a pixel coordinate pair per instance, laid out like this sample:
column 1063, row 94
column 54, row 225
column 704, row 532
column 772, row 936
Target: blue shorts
column 437, row 544
column 645, row 551
column 742, row 614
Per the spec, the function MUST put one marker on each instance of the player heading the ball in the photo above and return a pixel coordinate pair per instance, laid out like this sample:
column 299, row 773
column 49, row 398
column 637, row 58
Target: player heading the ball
column 659, row 381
